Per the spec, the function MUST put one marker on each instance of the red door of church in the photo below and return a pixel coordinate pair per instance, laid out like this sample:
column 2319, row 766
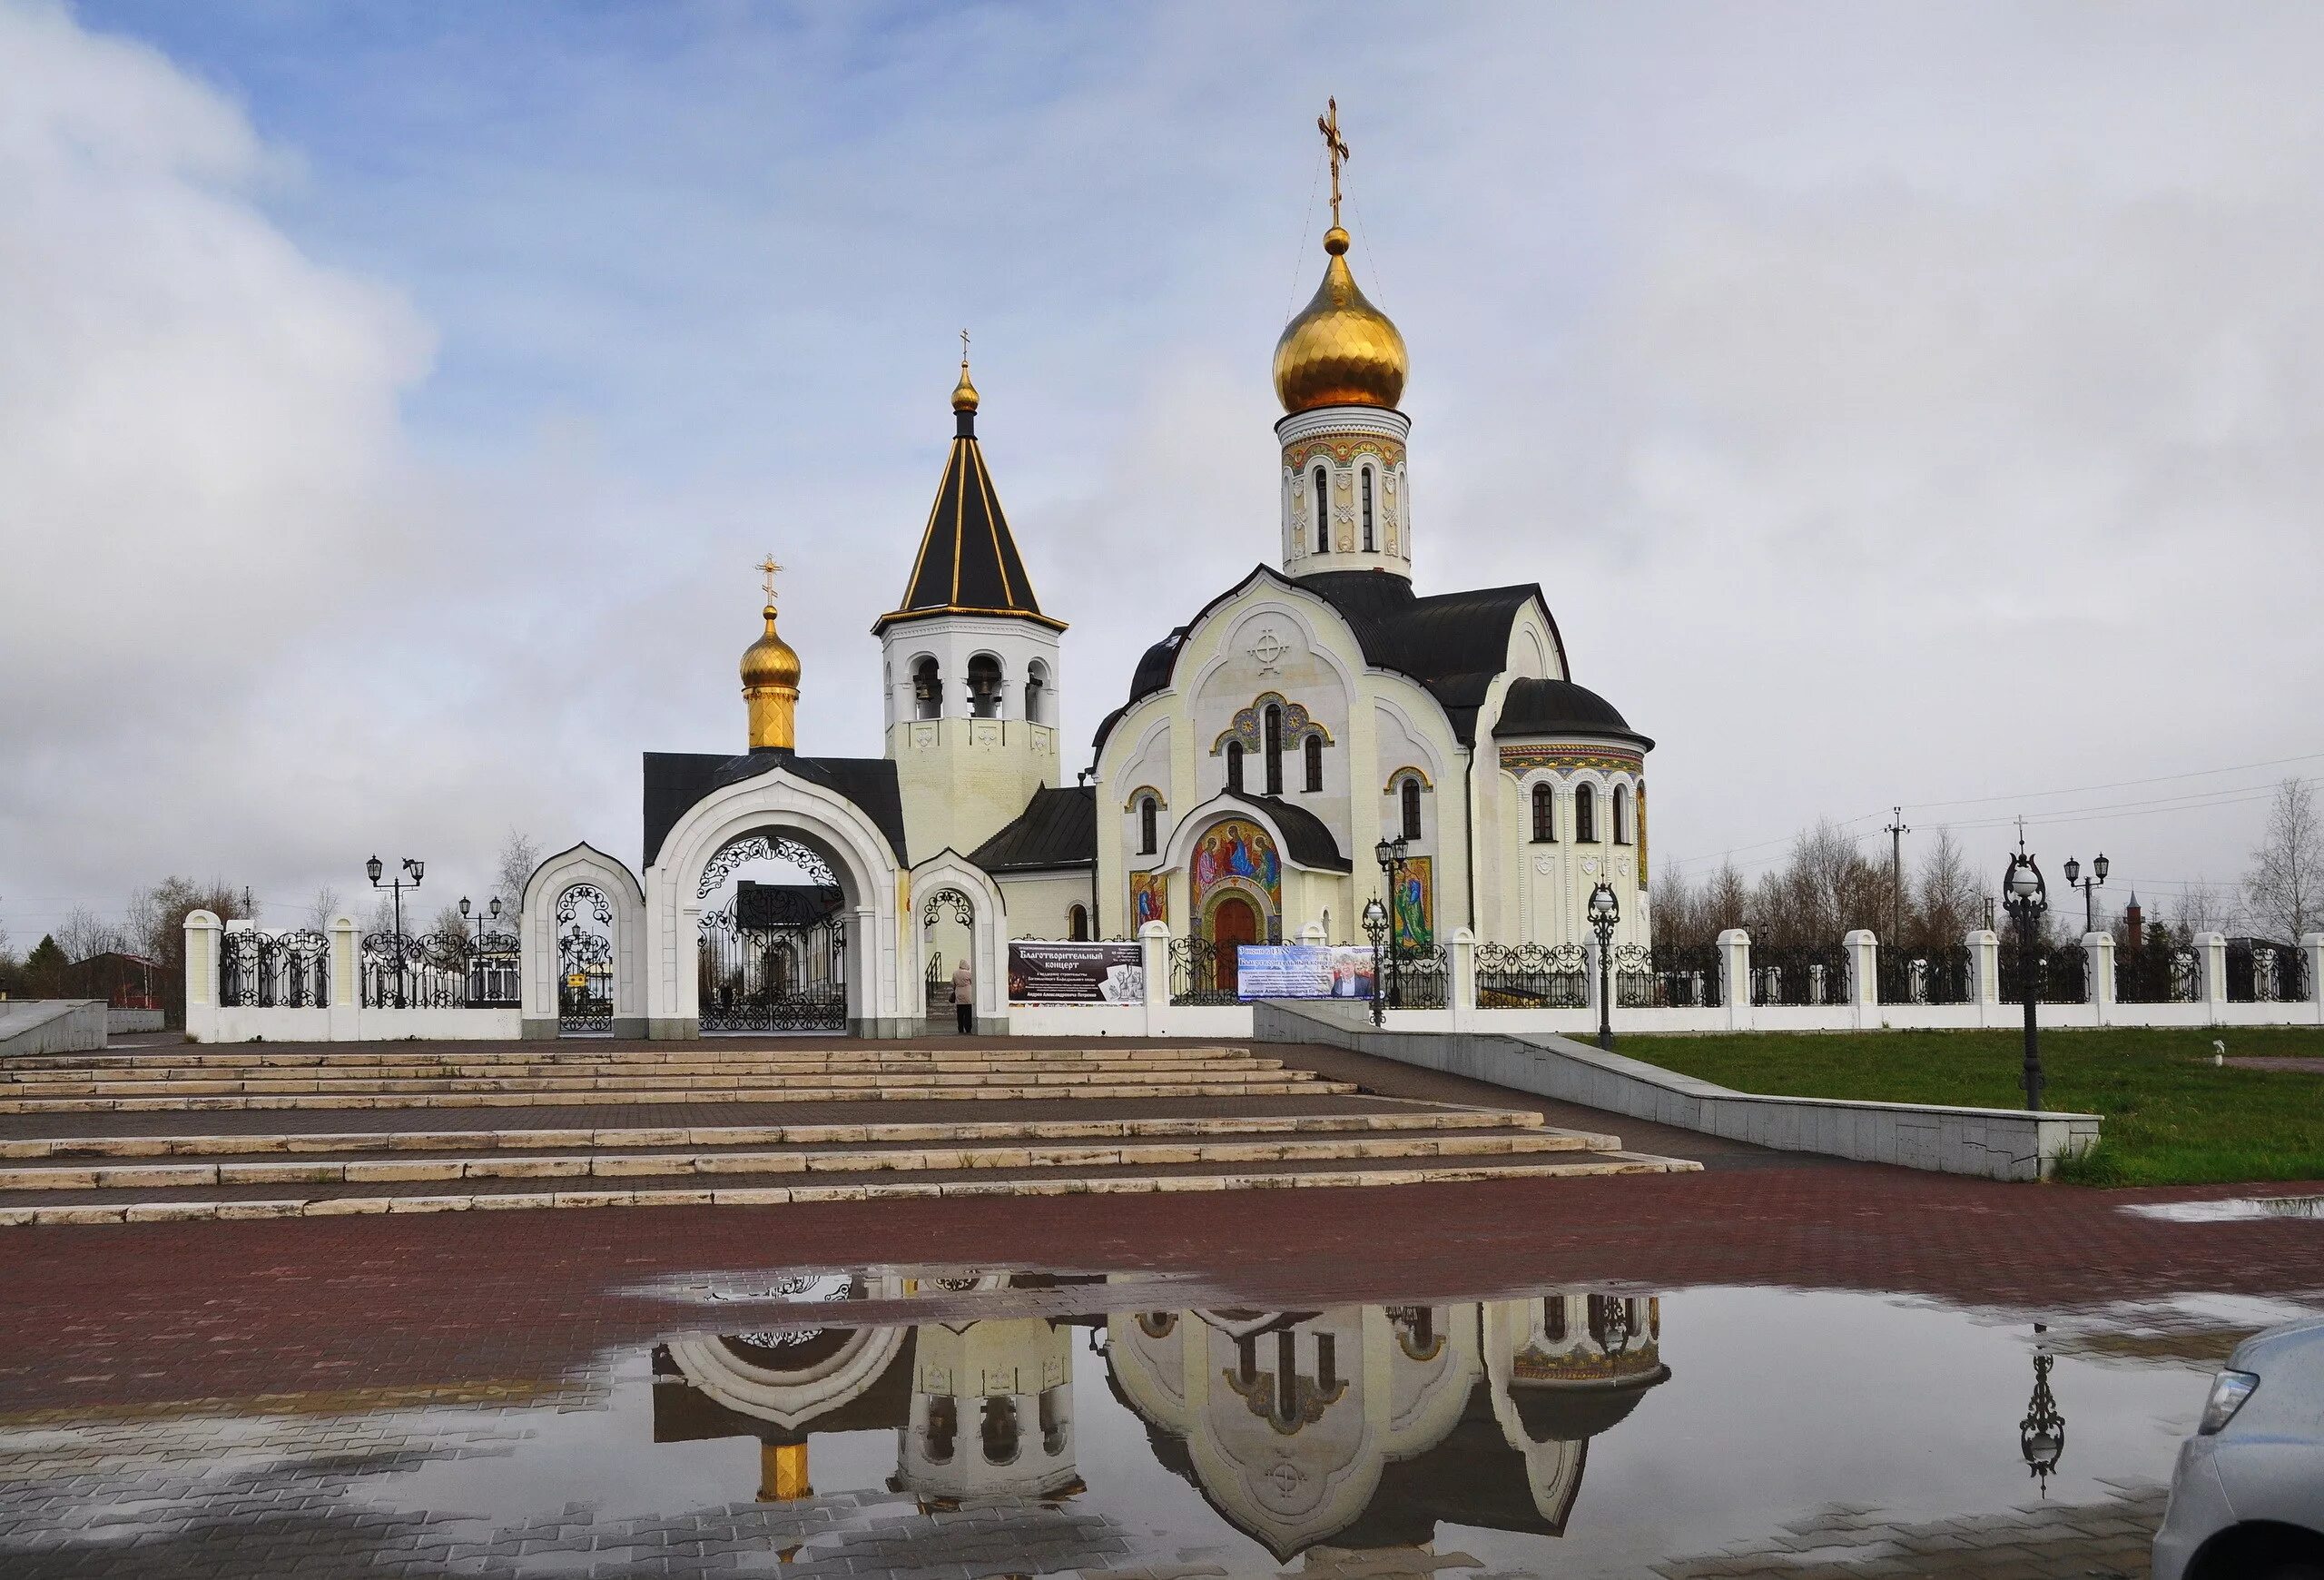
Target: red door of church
column 1232, row 924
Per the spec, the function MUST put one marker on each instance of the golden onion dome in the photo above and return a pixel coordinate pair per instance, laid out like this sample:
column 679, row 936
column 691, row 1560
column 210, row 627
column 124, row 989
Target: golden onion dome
column 964, row 394
column 1341, row 351
column 770, row 661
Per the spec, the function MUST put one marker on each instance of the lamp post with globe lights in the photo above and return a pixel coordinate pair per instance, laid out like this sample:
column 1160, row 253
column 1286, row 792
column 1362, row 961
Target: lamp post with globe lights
column 1605, row 915
column 2074, row 880
column 2026, row 898
column 1376, row 927
column 1391, row 855
column 413, row 869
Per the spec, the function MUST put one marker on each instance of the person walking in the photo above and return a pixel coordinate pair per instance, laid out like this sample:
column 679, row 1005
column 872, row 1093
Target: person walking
column 964, row 996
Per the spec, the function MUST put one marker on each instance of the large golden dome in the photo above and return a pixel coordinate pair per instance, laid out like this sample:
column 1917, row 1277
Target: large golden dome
column 1341, row 351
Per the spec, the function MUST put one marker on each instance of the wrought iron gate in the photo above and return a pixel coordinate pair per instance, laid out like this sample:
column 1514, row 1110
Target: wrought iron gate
column 584, row 963
column 775, row 958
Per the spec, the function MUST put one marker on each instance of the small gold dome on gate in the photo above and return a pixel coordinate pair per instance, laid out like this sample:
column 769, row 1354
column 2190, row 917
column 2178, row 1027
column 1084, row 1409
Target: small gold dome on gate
column 770, row 660
column 1341, row 351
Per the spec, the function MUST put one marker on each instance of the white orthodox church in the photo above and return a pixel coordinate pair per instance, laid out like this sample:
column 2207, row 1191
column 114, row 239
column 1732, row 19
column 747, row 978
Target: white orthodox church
column 1317, row 706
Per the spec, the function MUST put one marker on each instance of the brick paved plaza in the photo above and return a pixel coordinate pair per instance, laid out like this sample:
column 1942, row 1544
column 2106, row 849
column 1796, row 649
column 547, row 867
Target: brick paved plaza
column 229, row 1397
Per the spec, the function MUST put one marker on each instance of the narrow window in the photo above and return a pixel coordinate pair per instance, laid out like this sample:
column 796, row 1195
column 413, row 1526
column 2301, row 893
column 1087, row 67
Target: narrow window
column 1036, row 684
column 1367, row 510
column 1585, row 814
column 1322, row 515
column 984, row 686
column 1274, row 749
column 1621, row 814
column 1314, row 750
column 1553, row 1317
column 1411, row 808
column 1147, row 843
column 1234, row 764
column 1076, row 920
column 1545, row 815
column 927, row 690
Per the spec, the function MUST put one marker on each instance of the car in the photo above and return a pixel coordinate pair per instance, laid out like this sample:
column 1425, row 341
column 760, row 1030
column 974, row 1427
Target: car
column 2247, row 1500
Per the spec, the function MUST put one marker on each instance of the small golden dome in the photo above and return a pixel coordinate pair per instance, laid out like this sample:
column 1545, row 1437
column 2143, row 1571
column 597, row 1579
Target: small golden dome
column 770, row 661
column 964, row 394
column 1341, row 351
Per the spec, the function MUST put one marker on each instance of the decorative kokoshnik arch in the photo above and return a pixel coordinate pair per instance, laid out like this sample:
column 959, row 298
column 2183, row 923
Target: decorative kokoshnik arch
column 570, row 883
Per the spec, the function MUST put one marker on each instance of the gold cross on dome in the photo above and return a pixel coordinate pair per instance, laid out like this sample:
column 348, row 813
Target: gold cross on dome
column 767, row 569
column 1333, row 145
column 964, row 347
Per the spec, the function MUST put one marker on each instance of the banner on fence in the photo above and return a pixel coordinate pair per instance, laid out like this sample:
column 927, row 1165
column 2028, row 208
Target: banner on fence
column 1076, row 973
column 1304, row 970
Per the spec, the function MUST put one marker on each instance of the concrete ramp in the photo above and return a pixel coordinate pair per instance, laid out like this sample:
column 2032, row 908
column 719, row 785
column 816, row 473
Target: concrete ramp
column 32, row 1026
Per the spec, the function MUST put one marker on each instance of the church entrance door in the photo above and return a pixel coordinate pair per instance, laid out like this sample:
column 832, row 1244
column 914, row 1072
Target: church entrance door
column 1233, row 923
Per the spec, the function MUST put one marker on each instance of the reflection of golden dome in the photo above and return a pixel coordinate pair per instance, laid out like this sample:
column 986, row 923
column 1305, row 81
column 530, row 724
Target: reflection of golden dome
column 771, row 687
column 1341, row 351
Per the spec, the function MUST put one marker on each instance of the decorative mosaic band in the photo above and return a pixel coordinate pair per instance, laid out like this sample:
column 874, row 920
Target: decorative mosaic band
column 1522, row 760
column 1249, row 729
column 1344, row 452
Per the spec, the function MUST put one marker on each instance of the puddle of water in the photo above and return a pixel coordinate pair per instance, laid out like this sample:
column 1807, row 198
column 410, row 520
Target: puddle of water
column 1585, row 1431
column 2233, row 1209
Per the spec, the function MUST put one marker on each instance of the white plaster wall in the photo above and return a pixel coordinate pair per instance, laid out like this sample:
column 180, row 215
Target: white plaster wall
column 1038, row 903
column 963, row 779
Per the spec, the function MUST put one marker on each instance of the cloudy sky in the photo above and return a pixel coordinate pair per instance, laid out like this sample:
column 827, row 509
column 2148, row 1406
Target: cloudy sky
column 1898, row 404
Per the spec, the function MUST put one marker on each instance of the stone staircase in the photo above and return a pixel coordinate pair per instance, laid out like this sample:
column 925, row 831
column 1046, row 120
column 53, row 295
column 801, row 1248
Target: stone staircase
column 181, row 1135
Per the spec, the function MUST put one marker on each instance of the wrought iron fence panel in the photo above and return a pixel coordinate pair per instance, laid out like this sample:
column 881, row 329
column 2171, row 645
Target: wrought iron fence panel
column 2262, row 972
column 2061, row 975
column 1532, row 976
column 1420, row 980
column 1803, row 974
column 495, row 979
column 1202, row 972
column 2156, row 974
column 1666, row 976
column 1925, row 977
column 431, row 971
column 771, row 979
column 585, row 981
column 263, row 971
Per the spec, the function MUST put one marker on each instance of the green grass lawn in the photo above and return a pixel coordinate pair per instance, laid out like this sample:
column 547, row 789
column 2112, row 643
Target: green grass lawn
column 2171, row 1119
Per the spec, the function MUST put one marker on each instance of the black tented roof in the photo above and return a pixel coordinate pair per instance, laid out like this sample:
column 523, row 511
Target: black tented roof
column 968, row 561
column 1058, row 828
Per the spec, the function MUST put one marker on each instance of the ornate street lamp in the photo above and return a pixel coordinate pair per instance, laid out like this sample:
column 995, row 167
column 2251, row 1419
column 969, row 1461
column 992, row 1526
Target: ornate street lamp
column 1376, row 927
column 492, row 914
column 2074, row 880
column 1605, row 914
column 372, row 869
column 2026, row 898
column 1391, row 855
column 2042, row 1434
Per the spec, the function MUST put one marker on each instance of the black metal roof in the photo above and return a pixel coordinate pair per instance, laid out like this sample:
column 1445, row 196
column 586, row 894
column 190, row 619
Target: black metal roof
column 1307, row 838
column 675, row 781
column 1058, row 828
column 968, row 561
column 1540, row 708
column 1454, row 644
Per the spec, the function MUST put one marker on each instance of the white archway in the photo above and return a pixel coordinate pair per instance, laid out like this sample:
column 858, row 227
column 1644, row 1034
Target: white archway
column 584, row 865
column 988, row 965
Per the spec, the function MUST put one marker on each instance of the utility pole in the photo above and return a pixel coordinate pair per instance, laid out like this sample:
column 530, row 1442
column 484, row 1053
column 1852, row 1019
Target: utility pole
column 1897, row 832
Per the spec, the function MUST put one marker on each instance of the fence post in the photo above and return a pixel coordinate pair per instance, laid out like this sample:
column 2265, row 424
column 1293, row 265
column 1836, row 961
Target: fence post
column 1735, row 977
column 346, row 980
column 2210, row 974
column 1313, row 933
column 1864, row 975
column 1985, row 972
column 1153, row 940
column 2311, row 945
column 1461, row 994
column 2098, row 993
column 201, row 930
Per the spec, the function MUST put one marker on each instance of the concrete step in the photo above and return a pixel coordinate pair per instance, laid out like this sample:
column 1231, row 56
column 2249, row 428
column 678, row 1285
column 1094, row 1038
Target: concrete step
column 803, row 1089
column 356, row 1082
column 335, row 1143
column 168, row 1205
column 981, row 1064
column 892, row 1157
column 688, row 1053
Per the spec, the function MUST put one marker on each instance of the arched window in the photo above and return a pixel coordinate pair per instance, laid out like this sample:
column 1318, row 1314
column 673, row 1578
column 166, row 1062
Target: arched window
column 1585, row 814
column 1036, row 684
column 1146, row 833
column 1411, row 797
column 1234, row 764
column 1545, row 815
column 1314, row 751
column 1323, row 514
column 927, row 690
column 1274, row 735
column 1621, row 814
column 984, row 686
column 1076, row 920
column 1367, row 510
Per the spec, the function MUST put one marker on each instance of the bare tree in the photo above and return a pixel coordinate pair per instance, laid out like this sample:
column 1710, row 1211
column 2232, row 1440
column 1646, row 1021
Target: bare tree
column 1945, row 903
column 1824, row 888
column 518, row 857
column 324, row 909
column 85, row 933
column 2204, row 907
column 157, row 915
column 450, row 921
column 2286, row 882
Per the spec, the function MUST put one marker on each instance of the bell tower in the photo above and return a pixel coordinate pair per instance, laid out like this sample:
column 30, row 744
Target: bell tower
column 970, row 662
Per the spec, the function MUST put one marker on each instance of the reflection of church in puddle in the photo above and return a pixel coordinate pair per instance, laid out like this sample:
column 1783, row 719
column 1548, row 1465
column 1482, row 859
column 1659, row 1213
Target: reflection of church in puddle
column 1359, row 1427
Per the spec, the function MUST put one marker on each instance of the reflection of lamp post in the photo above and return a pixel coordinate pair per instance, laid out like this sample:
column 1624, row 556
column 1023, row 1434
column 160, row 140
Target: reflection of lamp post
column 372, row 869
column 1605, row 914
column 2042, row 1434
column 2026, row 896
column 1376, row 927
column 1390, row 854
column 2097, row 876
